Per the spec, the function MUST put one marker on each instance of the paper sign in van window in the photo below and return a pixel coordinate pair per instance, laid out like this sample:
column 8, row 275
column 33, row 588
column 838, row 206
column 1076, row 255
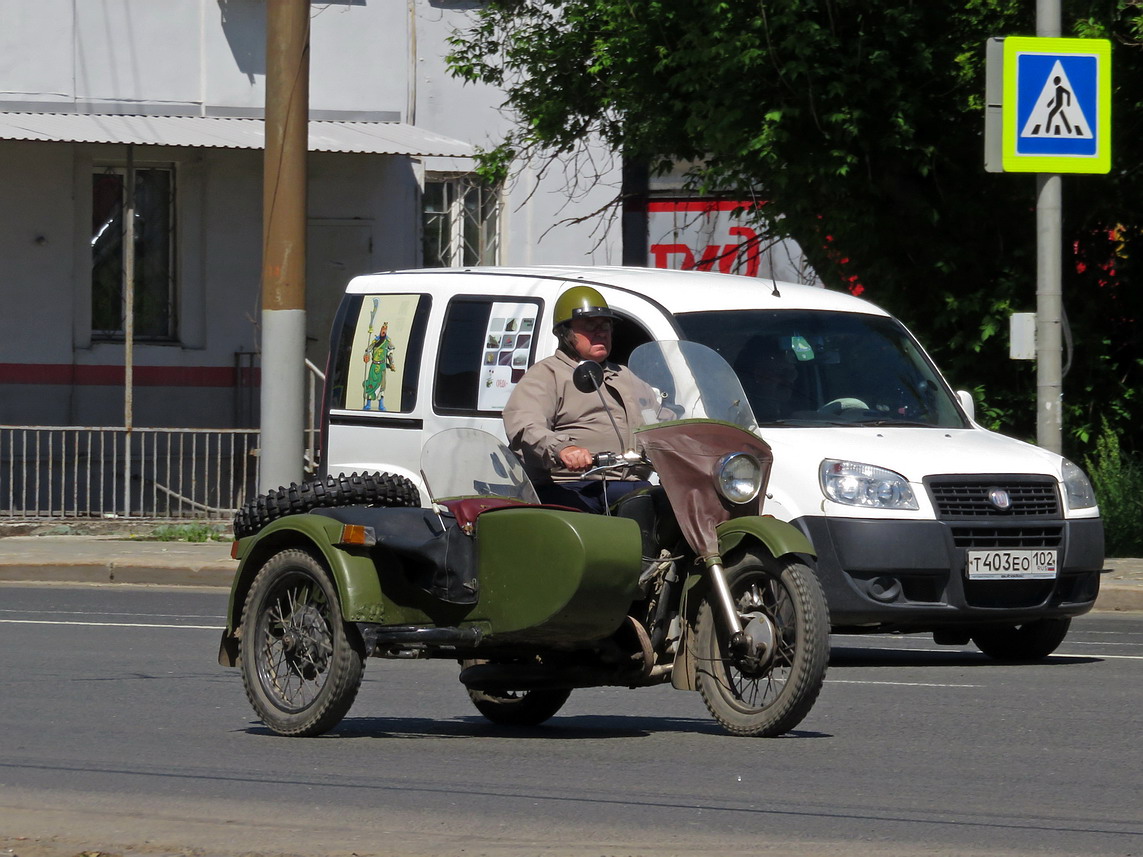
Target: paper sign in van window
column 380, row 353
column 507, row 344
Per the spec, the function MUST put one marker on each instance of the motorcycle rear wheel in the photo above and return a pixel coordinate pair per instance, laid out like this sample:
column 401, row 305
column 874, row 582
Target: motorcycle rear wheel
column 773, row 699
column 517, row 707
column 301, row 665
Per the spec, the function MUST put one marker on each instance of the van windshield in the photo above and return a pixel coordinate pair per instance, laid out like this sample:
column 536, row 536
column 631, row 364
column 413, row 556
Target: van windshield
column 812, row 367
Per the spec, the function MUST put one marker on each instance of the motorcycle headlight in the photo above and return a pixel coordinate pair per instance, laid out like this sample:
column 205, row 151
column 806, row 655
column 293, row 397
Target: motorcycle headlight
column 1078, row 487
column 738, row 477
column 855, row 484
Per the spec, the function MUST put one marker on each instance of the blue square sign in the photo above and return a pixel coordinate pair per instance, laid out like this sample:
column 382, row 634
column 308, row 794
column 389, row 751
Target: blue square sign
column 1057, row 105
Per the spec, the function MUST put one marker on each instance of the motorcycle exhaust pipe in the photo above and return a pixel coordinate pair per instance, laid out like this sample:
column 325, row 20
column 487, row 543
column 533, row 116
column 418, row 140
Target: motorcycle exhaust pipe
column 380, row 636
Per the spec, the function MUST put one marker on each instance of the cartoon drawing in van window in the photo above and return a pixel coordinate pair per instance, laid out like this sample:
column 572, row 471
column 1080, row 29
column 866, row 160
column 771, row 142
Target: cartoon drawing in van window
column 379, row 356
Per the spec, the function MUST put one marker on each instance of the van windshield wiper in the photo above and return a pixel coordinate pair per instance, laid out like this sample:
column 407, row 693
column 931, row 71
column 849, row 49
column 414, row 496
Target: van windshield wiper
column 884, row 422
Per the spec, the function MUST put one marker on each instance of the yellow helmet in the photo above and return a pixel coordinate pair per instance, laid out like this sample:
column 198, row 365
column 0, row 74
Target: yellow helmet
column 580, row 302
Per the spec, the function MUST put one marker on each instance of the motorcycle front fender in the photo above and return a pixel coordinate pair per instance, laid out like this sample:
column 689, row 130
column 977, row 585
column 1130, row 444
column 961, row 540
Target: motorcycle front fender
column 779, row 537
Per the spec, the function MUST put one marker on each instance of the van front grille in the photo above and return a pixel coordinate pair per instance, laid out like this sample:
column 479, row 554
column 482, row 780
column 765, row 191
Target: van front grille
column 959, row 497
column 1007, row 538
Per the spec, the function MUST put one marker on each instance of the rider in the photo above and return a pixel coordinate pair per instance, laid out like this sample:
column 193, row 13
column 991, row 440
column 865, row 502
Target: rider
column 556, row 429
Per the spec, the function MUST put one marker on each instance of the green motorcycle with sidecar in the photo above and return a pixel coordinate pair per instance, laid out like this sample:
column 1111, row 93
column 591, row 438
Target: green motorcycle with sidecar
column 685, row 582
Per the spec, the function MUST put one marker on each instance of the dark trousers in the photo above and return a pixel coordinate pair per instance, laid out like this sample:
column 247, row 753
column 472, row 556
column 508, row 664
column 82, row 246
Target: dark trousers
column 587, row 494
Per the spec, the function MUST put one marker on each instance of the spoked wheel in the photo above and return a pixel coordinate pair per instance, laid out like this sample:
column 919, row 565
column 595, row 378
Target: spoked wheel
column 301, row 665
column 1032, row 641
column 517, row 707
column 781, row 603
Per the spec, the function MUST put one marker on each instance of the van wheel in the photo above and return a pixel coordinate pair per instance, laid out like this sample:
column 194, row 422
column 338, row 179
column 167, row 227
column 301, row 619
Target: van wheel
column 358, row 489
column 1032, row 641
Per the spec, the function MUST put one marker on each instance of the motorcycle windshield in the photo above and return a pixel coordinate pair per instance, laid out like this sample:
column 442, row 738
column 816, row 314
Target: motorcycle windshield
column 467, row 462
column 693, row 382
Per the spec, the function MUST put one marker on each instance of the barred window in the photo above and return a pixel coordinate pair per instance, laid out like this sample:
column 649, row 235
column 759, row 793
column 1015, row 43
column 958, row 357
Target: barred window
column 461, row 222
column 154, row 310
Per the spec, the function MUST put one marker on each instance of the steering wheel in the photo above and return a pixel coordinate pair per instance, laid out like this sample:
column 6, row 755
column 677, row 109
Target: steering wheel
column 847, row 403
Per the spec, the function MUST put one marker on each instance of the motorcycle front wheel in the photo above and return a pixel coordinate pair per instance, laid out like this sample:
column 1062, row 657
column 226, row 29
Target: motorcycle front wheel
column 772, row 696
column 301, row 665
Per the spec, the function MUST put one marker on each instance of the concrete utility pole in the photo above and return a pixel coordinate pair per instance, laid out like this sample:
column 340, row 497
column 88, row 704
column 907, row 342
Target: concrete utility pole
column 1049, row 302
column 284, row 243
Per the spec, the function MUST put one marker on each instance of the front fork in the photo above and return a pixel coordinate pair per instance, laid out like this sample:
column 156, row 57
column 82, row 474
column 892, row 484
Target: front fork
column 750, row 646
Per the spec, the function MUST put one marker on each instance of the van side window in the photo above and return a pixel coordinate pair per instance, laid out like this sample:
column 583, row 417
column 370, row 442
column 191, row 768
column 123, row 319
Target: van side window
column 376, row 352
column 486, row 346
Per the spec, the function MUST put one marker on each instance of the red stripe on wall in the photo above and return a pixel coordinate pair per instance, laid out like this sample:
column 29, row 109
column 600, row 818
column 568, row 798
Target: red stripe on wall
column 668, row 206
column 112, row 376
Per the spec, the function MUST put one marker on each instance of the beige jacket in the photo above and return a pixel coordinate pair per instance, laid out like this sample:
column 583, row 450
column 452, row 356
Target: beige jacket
column 546, row 414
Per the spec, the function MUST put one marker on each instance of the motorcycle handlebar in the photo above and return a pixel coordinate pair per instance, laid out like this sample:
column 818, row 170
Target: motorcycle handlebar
column 603, row 460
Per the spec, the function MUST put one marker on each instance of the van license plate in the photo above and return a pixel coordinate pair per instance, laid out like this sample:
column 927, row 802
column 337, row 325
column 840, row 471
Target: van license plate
column 1011, row 565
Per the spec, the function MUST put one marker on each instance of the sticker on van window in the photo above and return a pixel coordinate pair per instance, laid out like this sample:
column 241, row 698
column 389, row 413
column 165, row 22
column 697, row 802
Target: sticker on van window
column 507, row 346
column 377, row 367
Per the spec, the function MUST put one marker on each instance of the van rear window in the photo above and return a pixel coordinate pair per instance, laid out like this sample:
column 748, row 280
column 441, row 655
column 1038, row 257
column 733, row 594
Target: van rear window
column 377, row 353
column 486, row 346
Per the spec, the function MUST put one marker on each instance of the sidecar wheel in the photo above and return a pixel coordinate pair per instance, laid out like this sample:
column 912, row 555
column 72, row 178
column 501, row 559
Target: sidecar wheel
column 301, row 665
column 771, row 698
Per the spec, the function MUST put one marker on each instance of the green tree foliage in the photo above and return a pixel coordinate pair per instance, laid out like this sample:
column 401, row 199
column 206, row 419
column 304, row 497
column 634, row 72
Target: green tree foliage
column 860, row 122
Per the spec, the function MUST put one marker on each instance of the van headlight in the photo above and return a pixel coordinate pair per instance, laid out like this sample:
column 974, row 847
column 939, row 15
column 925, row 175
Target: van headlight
column 854, row 484
column 1077, row 487
column 738, row 477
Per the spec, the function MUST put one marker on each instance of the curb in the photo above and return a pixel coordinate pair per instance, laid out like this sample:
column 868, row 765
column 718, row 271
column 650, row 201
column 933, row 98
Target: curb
column 114, row 572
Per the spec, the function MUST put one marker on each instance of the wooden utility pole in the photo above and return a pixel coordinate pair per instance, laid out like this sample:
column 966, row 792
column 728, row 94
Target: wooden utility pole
column 284, row 243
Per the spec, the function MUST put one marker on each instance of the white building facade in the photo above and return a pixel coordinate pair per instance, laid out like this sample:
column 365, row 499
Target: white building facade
column 167, row 96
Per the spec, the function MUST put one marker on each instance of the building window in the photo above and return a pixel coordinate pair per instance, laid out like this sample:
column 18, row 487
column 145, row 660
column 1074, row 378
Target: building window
column 461, row 222
column 154, row 311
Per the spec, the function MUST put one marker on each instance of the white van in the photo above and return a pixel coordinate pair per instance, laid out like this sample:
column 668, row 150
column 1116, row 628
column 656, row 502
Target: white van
column 921, row 520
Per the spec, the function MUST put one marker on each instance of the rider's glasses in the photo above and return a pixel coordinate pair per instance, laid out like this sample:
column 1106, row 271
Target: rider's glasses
column 593, row 325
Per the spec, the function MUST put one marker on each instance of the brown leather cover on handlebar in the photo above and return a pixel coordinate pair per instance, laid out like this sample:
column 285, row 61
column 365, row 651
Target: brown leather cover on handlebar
column 686, row 454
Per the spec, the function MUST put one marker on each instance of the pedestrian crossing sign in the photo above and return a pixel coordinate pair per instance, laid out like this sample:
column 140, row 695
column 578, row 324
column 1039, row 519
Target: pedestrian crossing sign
column 1056, row 105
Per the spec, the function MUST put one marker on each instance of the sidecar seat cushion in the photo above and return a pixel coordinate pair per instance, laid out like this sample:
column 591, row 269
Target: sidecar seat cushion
column 467, row 509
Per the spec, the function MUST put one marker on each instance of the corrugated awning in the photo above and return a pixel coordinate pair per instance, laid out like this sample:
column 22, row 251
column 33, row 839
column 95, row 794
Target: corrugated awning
column 378, row 138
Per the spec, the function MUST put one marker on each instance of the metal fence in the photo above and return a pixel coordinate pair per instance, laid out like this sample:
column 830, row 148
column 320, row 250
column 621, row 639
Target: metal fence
column 81, row 472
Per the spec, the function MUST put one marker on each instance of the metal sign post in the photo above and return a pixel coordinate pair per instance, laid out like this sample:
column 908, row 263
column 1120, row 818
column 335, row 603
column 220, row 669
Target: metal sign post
column 1048, row 112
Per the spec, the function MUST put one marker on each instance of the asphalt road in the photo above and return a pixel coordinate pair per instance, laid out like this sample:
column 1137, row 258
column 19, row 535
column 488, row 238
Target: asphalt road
column 121, row 734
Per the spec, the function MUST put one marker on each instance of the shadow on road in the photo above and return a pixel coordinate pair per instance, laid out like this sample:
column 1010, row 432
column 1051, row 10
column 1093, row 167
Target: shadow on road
column 572, row 727
column 863, row 656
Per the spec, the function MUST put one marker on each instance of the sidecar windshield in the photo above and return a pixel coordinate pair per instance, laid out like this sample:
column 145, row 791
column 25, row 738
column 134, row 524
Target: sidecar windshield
column 467, row 462
column 692, row 381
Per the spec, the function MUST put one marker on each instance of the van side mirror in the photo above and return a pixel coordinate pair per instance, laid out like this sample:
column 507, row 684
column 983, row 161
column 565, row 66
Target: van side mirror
column 967, row 403
column 588, row 376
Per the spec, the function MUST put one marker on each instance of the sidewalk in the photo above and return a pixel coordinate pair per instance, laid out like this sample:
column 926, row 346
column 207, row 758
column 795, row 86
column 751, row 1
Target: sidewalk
column 120, row 559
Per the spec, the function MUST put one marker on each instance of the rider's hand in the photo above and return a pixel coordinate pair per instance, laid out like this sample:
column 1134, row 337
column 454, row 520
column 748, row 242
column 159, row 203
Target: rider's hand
column 576, row 458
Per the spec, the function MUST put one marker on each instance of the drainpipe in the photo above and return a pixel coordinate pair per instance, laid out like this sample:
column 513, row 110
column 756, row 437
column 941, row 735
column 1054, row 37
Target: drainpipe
column 284, row 243
column 128, row 326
